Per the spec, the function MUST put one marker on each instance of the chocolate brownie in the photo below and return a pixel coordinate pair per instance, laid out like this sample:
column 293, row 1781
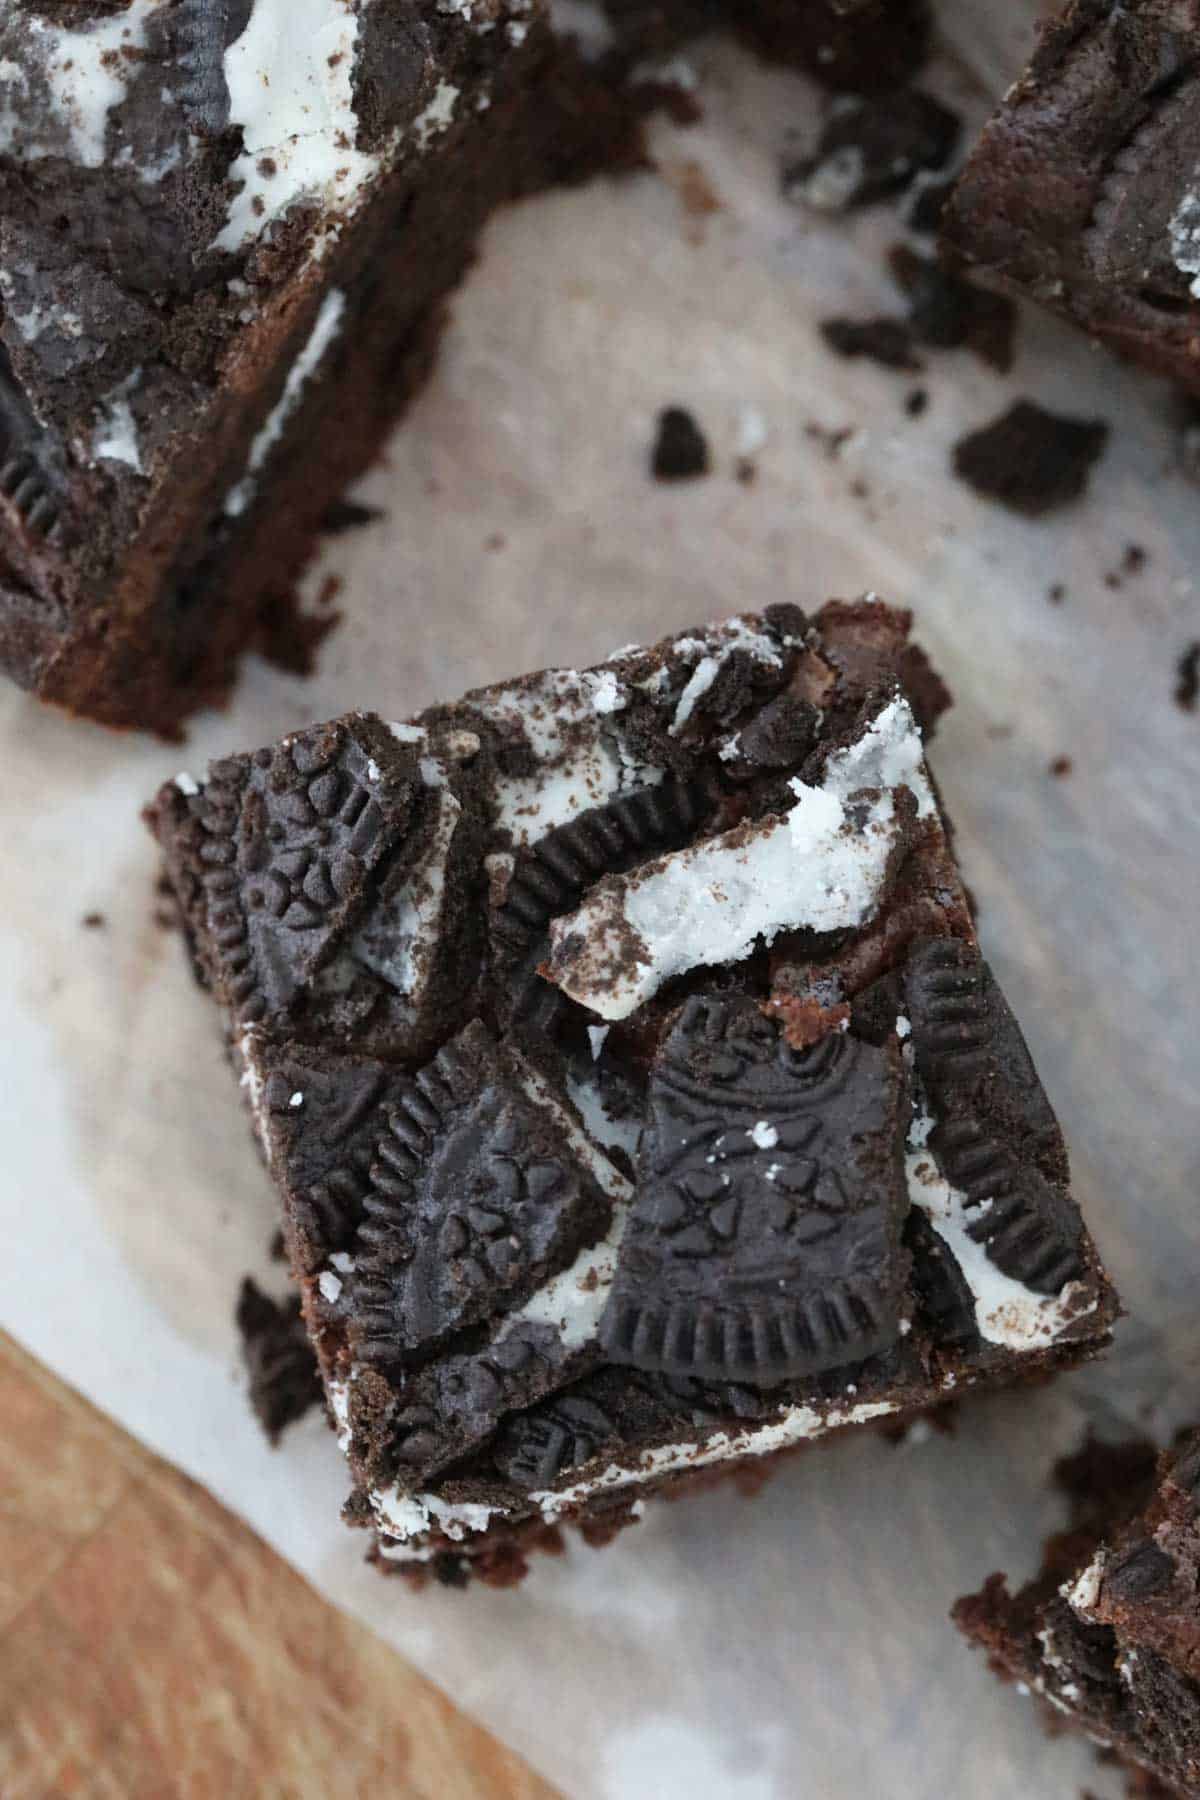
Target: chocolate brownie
column 1082, row 191
column 640, row 1102
column 1108, row 1634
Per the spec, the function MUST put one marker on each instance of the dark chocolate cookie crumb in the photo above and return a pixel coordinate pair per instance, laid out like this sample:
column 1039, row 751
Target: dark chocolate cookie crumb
column 948, row 313
column 1062, row 765
column 348, row 515
column 916, row 403
column 1056, row 593
column 681, row 450
column 278, row 1357
column 928, row 202
column 1187, row 685
column 887, row 342
column 870, row 47
column 1031, row 460
column 93, row 921
column 871, row 149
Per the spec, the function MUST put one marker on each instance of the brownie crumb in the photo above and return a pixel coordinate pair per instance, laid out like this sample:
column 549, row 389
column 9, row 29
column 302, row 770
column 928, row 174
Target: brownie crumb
column 871, row 149
column 93, row 921
column 1062, row 765
column 948, row 313
column 1187, row 685
column 916, row 403
column 278, row 1357
column 348, row 515
column 1056, row 593
column 1031, row 460
column 681, row 450
column 887, row 342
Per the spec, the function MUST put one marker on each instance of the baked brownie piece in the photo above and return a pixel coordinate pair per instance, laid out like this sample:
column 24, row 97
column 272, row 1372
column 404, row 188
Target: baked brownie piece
column 226, row 230
column 1108, row 1635
column 639, row 1099
column 1082, row 191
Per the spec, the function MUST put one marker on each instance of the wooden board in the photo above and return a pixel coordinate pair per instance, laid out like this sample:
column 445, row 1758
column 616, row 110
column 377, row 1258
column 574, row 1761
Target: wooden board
column 152, row 1646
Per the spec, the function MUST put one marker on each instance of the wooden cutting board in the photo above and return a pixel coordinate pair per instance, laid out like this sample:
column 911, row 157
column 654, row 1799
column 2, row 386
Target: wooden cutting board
column 152, row 1648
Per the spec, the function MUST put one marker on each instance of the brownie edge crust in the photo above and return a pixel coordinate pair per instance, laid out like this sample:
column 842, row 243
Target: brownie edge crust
column 1107, row 1636
column 640, row 1103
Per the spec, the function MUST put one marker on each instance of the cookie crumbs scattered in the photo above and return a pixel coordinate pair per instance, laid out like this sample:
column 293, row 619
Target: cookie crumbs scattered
column 1031, row 460
column 948, row 313
column 888, row 342
column 1056, row 593
column 916, row 403
column 278, row 1357
column 870, row 149
column 681, row 450
column 1062, row 765
column 93, row 921
column 1187, row 685
column 348, row 515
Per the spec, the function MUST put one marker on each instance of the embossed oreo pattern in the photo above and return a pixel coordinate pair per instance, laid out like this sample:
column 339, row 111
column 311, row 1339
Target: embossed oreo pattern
column 996, row 1138
column 474, row 1196
column 765, row 1237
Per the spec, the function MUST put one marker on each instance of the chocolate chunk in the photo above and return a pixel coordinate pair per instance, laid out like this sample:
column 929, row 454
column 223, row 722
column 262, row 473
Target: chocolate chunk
column 765, row 1237
column 681, row 449
column 996, row 1138
column 1031, row 460
column 279, row 1359
column 475, row 1197
column 872, row 148
column 884, row 341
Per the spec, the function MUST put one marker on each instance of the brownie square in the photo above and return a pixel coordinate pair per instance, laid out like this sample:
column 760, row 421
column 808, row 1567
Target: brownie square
column 1108, row 1634
column 639, row 1100
column 1082, row 190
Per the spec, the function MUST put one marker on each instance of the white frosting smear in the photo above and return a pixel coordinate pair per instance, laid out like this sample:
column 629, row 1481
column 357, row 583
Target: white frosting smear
column 1006, row 1311
column 328, row 323
column 1184, row 231
column 821, row 866
column 87, row 73
column 291, row 89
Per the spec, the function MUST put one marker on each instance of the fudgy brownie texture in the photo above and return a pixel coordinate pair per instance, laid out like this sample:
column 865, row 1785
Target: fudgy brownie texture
column 1108, row 1634
column 1082, row 190
column 227, row 230
column 639, row 1099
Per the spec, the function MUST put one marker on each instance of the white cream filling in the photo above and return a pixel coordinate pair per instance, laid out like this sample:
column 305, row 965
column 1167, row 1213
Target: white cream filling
column 818, row 867
column 714, row 652
column 1006, row 1311
column 87, row 73
column 577, row 768
column 1184, row 231
column 325, row 330
column 1082, row 1594
column 116, row 436
column 253, row 1086
column 290, row 77
column 395, row 939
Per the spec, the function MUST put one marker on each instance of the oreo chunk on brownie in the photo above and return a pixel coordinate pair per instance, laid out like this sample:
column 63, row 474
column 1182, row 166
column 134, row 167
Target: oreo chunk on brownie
column 639, row 1100
column 227, row 228
column 1107, row 1635
column 1082, row 190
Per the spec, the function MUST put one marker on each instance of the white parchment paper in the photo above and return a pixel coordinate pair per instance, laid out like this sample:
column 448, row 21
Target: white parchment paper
column 796, row 1645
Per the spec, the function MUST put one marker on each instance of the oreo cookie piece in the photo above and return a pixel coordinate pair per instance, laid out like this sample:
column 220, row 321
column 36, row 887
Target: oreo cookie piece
column 203, row 31
column 476, row 1197
column 32, row 474
column 996, row 1137
column 765, row 1241
column 870, row 149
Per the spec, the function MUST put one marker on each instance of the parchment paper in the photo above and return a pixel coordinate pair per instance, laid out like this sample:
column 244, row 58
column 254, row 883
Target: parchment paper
column 796, row 1645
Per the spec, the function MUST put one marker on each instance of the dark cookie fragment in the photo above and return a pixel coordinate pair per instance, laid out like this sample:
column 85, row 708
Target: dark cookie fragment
column 948, row 313
column 1187, row 683
column 537, row 1447
column 475, row 1197
column 943, row 1295
column 765, row 1237
column 681, row 450
column 888, row 342
column 204, row 30
column 31, row 471
column 870, row 149
column 1031, row 460
column 996, row 1137
column 284, row 1383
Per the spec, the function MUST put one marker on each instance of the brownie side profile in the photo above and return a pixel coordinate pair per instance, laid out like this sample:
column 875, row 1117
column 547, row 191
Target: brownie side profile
column 1108, row 1634
column 227, row 229
column 1082, row 191
column 639, row 1100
